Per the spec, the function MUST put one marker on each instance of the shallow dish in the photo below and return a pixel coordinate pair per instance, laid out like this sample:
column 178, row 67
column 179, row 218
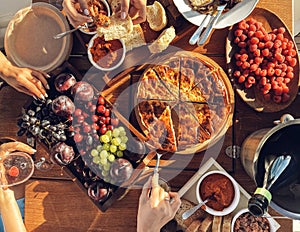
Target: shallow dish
column 121, row 52
column 93, row 31
column 233, row 204
column 253, row 96
column 234, row 15
column 243, row 211
column 29, row 38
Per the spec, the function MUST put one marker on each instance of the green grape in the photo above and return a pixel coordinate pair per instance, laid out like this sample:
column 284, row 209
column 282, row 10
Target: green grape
column 122, row 146
column 106, row 146
column 104, row 138
column 104, row 173
column 106, row 179
column 96, row 159
column 116, row 132
column 99, row 148
column 122, row 133
column 103, row 161
column 106, row 167
column 111, row 158
column 124, row 139
column 94, row 152
column 113, row 148
column 103, row 154
column 120, row 154
column 116, row 141
column 121, row 128
column 109, row 133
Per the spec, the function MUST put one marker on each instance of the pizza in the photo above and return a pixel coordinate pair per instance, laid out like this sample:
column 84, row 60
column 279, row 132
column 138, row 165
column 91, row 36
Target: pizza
column 183, row 102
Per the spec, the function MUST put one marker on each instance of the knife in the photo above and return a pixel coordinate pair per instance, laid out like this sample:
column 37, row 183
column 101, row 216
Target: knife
column 195, row 36
column 211, row 25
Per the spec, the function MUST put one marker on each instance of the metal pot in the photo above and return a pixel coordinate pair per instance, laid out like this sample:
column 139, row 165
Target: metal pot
column 265, row 144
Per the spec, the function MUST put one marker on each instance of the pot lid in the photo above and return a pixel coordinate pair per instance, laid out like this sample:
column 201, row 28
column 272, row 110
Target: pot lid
column 29, row 38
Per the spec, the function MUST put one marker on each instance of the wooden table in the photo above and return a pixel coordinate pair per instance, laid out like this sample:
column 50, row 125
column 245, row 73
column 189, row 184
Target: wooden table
column 55, row 203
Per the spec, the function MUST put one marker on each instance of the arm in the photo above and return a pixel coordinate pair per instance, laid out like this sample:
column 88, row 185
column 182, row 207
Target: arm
column 156, row 209
column 11, row 216
column 25, row 80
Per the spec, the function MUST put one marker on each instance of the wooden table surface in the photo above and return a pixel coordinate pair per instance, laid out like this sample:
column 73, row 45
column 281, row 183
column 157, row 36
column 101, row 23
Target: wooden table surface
column 54, row 202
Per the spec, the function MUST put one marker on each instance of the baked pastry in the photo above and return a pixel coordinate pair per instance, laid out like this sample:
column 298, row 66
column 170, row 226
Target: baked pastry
column 163, row 40
column 156, row 16
column 196, row 95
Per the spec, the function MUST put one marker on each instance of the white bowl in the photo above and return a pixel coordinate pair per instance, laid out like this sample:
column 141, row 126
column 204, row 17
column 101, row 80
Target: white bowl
column 242, row 211
column 108, row 14
column 234, row 202
column 90, row 56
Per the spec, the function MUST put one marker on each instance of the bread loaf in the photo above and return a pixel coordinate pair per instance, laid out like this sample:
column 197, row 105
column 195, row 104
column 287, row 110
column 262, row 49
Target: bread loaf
column 226, row 225
column 117, row 29
column 163, row 41
column 206, row 224
column 217, row 224
column 135, row 38
column 156, row 16
column 186, row 205
column 194, row 226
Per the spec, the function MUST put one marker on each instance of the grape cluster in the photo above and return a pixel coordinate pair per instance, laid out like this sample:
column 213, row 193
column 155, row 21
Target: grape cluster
column 39, row 121
column 113, row 144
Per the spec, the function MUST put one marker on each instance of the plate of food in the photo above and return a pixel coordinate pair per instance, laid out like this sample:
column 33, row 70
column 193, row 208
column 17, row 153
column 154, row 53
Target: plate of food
column 176, row 109
column 195, row 10
column 29, row 39
column 263, row 61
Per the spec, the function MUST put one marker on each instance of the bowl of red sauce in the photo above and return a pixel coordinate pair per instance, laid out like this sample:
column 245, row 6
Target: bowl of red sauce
column 106, row 55
column 221, row 190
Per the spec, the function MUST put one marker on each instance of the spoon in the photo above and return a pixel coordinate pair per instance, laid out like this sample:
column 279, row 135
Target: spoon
column 191, row 211
column 60, row 35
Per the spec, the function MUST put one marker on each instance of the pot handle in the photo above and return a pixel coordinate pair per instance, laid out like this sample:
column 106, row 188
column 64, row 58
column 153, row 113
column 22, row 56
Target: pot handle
column 283, row 119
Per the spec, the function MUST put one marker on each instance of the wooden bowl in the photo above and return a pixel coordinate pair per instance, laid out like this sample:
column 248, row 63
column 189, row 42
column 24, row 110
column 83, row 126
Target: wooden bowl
column 253, row 96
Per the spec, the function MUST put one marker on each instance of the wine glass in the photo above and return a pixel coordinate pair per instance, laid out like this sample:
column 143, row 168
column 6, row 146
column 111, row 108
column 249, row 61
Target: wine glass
column 15, row 168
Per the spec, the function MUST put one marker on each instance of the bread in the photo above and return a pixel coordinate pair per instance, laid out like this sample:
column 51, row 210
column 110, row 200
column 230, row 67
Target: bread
column 156, row 16
column 117, row 29
column 186, row 205
column 206, row 224
column 194, row 226
column 163, row 41
column 217, row 224
column 226, row 225
column 135, row 38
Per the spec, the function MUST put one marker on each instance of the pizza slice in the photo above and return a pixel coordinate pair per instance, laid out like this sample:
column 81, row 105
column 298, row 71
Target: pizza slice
column 150, row 87
column 188, row 126
column 161, row 132
column 169, row 77
column 150, row 110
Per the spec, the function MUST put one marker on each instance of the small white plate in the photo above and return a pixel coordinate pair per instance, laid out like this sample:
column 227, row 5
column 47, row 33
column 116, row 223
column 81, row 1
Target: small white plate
column 234, row 15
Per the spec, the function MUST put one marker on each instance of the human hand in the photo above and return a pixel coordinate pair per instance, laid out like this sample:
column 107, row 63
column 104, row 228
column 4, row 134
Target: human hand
column 136, row 10
column 77, row 12
column 25, row 80
column 155, row 208
column 6, row 149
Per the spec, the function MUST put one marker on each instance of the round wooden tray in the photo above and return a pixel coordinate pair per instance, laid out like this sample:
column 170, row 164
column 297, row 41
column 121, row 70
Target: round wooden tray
column 252, row 96
column 230, row 102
